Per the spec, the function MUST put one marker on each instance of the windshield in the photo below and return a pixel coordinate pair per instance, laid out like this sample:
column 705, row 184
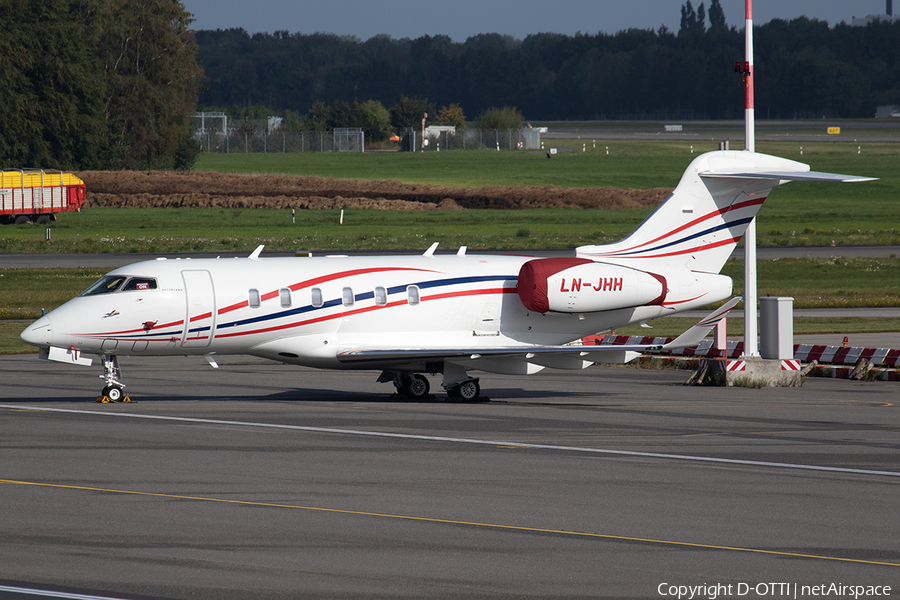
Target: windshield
column 116, row 283
column 105, row 285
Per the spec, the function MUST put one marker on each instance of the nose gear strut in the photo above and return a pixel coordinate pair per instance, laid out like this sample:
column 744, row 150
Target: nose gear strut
column 113, row 391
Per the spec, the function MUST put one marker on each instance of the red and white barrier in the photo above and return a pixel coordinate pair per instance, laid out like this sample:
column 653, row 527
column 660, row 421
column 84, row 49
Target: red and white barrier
column 803, row 353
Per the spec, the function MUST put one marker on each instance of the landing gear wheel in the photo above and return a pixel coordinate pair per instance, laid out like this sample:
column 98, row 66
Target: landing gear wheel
column 112, row 393
column 418, row 387
column 469, row 390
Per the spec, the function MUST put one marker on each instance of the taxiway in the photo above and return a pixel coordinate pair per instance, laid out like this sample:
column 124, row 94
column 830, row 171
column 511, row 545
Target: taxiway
column 269, row 481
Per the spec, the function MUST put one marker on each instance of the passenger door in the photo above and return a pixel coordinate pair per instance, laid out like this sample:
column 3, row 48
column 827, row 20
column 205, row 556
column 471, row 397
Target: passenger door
column 200, row 318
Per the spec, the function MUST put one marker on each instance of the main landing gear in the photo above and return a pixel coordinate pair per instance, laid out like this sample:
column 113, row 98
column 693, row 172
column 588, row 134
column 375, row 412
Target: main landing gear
column 414, row 386
column 467, row 391
column 114, row 390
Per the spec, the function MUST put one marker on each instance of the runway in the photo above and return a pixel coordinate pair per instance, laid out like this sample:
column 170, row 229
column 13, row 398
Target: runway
column 261, row 480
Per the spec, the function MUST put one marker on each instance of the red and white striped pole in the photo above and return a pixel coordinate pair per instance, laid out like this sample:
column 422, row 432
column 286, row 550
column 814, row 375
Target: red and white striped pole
column 751, row 343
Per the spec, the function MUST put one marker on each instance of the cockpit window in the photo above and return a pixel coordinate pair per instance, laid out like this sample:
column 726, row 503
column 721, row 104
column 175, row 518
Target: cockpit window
column 119, row 283
column 105, row 285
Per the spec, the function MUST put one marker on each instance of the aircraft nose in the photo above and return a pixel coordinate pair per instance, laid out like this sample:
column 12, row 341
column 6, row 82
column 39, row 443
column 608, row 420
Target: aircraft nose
column 39, row 333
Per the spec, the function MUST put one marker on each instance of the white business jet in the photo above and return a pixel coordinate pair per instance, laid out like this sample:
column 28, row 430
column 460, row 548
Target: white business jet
column 440, row 314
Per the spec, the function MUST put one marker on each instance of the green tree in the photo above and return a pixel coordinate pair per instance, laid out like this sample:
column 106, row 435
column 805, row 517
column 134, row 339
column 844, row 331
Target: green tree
column 408, row 113
column 692, row 22
column 375, row 120
column 317, row 117
column 716, row 15
column 97, row 84
column 51, row 111
column 507, row 117
column 451, row 115
column 152, row 82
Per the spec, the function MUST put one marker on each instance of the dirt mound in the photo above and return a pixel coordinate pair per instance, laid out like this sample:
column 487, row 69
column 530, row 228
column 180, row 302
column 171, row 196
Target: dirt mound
column 163, row 189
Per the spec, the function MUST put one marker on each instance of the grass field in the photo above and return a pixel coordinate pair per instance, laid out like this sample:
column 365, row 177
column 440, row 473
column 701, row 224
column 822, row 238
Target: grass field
column 796, row 214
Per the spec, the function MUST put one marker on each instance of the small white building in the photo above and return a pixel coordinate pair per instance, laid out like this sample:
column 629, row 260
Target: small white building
column 436, row 130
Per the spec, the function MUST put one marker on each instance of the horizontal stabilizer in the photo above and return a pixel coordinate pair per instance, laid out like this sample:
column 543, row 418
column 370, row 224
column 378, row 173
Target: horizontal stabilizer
column 692, row 336
column 787, row 176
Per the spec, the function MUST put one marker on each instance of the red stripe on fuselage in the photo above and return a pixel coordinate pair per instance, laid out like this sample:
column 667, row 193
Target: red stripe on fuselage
column 359, row 311
column 127, row 331
column 469, row 293
column 322, row 279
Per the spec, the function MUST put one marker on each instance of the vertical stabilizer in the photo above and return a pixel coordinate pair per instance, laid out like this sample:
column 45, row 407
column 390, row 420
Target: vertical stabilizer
column 698, row 226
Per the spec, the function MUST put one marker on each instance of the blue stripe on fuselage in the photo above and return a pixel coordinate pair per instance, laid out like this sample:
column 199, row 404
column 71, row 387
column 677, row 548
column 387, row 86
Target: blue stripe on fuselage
column 362, row 296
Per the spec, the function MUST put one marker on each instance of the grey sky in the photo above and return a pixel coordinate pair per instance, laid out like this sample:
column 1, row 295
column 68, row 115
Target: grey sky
column 463, row 18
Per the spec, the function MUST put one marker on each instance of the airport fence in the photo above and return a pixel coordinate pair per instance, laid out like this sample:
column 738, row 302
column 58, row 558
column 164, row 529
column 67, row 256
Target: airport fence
column 340, row 141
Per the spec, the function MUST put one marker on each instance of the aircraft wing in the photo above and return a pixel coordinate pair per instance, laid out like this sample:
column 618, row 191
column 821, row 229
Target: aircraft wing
column 523, row 352
column 538, row 354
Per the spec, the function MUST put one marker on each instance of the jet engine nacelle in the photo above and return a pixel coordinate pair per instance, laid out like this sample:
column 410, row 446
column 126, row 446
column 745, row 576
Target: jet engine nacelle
column 578, row 285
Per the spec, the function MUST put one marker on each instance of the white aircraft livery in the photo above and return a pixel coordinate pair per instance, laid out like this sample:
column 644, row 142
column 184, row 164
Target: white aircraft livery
column 440, row 314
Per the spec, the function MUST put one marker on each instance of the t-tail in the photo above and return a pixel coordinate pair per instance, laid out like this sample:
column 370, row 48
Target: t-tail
column 698, row 226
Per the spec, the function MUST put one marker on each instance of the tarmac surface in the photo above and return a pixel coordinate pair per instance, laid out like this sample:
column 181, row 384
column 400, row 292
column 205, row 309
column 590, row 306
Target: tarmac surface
column 261, row 480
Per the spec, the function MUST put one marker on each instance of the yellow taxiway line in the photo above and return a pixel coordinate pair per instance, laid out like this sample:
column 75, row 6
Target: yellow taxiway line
column 495, row 526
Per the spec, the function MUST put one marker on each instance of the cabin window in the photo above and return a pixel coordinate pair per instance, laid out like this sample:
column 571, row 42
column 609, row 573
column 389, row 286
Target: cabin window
column 412, row 292
column 253, row 299
column 284, row 294
column 105, row 285
column 347, row 296
column 380, row 296
column 316, row 297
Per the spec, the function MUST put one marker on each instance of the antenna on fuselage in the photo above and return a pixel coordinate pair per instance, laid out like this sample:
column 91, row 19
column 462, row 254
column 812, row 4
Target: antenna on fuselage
column 255, row 254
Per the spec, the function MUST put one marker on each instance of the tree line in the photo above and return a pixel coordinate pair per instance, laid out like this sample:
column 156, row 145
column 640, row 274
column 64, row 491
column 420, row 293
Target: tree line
column 112, row 83
column 803, row 68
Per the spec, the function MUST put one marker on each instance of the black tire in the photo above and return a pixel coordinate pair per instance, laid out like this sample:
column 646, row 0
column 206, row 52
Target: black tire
column 22, row 220
column 418, row 387
column 44, row 220
column 469, row 390
column 113, row 393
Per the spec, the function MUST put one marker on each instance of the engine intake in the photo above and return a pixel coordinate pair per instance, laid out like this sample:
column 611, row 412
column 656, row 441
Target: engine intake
column 579, row 285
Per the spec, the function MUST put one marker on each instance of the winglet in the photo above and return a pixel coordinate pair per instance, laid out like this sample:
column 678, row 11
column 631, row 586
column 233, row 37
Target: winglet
column 255, row 254
column 430, row 251
column 692, row 336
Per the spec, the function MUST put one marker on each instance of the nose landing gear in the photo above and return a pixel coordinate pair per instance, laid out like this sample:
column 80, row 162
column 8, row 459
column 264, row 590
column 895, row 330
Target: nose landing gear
column 113, row 391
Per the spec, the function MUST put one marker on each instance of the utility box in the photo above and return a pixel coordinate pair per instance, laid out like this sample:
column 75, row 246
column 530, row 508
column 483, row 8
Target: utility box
column 776, row 327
